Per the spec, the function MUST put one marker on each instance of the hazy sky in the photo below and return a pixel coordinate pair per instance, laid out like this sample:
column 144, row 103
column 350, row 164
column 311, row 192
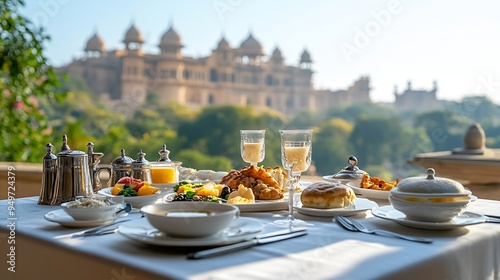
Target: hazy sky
column 455, row 42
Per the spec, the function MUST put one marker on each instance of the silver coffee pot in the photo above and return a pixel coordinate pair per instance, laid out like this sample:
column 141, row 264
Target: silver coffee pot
column 72, row 175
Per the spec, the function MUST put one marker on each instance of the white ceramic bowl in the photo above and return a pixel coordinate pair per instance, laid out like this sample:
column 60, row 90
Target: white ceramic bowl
column 190, row 219
column 91, row 213
column 135, row 201
column 429, row 211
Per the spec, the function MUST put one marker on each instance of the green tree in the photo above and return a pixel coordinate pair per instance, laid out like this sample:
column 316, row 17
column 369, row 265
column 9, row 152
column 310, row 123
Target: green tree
column 197, row 160
column 331, row 146
column 24, row 75
column 445, row 128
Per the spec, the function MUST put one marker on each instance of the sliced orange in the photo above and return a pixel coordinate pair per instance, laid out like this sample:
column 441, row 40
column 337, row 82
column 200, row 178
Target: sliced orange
column 147, row 190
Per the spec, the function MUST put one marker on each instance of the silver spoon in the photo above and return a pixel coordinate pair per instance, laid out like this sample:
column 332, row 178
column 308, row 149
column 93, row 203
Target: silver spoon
column 127, row 209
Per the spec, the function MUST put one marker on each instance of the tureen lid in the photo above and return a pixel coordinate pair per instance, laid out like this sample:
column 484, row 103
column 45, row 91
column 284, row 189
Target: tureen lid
column 122, row 160
column 350, row 172
column 430, row 185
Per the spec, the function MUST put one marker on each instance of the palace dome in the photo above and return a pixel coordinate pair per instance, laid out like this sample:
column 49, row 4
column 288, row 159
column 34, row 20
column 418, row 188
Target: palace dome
column 277, row 57
column 223, row 44
column 133, row 35
column 95, row 44
column 277, row 53
column 305, row 57
column 170, row 38
column 251, row 47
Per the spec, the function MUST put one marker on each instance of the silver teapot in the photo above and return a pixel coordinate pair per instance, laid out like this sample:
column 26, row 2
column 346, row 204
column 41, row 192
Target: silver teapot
column 120, row 167
column 72, row 176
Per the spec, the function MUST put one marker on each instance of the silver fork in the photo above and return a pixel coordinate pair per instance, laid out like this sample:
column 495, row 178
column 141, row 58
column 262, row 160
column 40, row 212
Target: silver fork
column 359, row 227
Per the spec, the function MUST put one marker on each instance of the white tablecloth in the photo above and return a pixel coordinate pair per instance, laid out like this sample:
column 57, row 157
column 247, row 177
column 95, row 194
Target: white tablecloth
column 46, row 250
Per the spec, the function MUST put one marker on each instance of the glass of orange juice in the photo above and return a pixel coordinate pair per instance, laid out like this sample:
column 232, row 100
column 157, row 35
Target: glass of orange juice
column 166, row 172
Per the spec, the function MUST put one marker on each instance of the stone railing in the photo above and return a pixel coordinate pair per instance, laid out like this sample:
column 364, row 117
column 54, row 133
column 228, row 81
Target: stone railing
column 27, row 179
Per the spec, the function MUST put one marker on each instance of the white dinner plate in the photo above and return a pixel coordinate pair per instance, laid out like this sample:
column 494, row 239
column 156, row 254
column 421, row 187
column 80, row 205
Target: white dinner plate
column 264, row 205
column 368, row 193
column 241, row 229
column 389, row 213
column 62, row 218
column 360, row 205
column 135, row 201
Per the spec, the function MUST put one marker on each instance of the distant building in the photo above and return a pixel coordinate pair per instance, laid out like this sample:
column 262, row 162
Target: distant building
column 237, row 76
column 416, row 100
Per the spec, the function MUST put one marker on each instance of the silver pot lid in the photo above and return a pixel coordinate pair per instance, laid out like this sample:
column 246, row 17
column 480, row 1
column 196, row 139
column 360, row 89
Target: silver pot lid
column 163, row 154
column 122, row 160
column 66, row 150
column 430, row 184
column 141, row 161
column 350, row 172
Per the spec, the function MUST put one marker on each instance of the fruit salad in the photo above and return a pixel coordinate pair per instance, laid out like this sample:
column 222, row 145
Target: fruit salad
column 128, row 186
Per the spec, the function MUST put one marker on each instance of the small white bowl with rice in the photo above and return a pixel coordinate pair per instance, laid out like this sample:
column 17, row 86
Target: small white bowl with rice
column 91, row 208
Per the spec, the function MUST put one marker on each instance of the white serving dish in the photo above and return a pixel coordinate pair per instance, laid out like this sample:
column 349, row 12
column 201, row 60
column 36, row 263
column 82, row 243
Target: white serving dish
column 91, row 213
column 428, row 211
column 135, row 201
column 431, row 198
column 190, row 219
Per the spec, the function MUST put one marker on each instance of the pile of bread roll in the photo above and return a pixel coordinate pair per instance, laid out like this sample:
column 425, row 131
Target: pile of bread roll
column 326, row 195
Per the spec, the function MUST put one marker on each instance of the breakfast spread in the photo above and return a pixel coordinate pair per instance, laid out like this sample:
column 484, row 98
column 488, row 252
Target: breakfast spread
column 266, row 183
column 128, row 186
column 375, row 183
column 325, row 195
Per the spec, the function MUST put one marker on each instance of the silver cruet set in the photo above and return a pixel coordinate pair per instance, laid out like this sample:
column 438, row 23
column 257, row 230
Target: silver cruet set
column 73, row 173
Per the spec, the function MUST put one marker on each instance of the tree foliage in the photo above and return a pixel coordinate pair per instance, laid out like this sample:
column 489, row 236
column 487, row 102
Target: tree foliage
column 25, row 74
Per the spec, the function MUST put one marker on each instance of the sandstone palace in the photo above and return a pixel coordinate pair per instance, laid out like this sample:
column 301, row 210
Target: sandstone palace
column 241, row 75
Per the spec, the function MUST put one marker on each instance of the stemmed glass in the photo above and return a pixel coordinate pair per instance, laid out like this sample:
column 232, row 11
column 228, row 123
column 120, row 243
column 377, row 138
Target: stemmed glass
column 296, row 151
column 253, row 148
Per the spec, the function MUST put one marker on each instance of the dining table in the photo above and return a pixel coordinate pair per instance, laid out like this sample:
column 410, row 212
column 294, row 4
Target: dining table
column 34, row 248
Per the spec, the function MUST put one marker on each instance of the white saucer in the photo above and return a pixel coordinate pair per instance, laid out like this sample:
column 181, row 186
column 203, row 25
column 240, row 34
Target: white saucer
column 62, row 218
column 368, row 193
column 240, row 230
column 389, row 213
column 360, row 205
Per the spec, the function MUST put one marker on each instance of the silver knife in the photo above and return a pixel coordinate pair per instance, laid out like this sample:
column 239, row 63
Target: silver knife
column 99, row 228
column 258, row 240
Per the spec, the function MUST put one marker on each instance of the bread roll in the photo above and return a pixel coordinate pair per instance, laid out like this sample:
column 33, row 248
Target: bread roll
column 324, row 195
